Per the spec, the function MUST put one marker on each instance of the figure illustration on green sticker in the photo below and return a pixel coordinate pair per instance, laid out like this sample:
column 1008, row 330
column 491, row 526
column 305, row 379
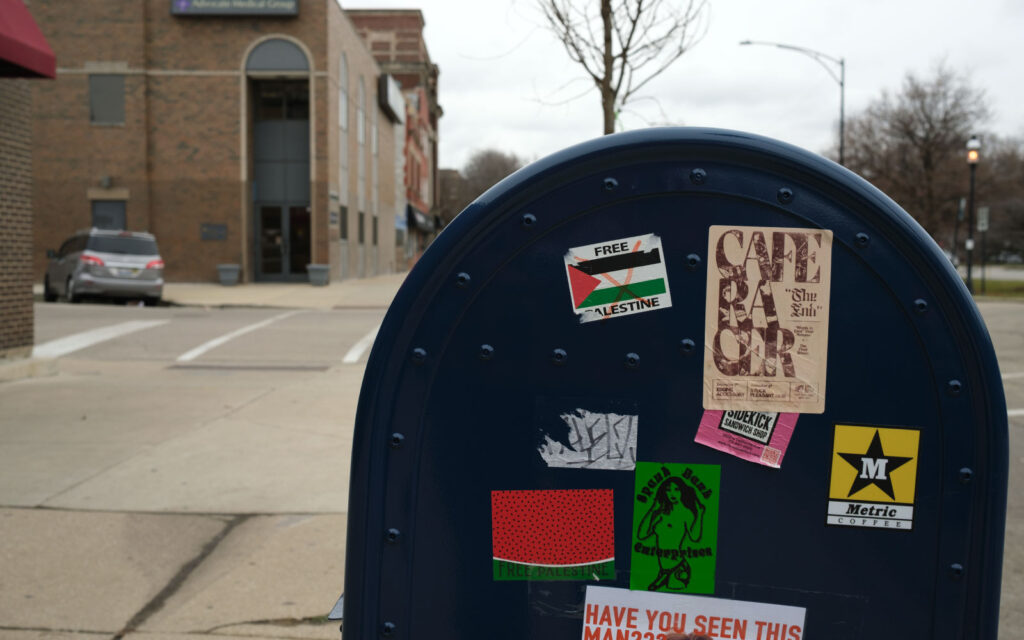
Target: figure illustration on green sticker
column 675, row 527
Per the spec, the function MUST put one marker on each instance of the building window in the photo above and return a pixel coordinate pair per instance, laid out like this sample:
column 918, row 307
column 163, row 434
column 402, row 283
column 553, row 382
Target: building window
column 343, row 93
column 108, row 214
column 373, row 133
column 375, row 231
column 344, row 222
column 106, row 99
column 361, row 114
column 362, row 227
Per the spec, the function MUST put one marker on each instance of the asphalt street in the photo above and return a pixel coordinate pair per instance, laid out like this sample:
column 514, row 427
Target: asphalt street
column 185, row 474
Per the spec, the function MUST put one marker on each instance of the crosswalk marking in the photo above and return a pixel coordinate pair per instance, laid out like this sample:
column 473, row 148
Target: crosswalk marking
column 227, row 337
column 358, row 348
column 68, row 344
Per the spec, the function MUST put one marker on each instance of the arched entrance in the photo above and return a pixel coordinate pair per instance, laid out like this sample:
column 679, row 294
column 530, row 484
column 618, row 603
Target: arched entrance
column 278, row 79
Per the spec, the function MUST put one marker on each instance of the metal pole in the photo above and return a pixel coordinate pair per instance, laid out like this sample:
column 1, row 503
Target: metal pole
column 970, row 230
column 984, row 235
column 821, row 58
column 956, row 229
column 842, row 108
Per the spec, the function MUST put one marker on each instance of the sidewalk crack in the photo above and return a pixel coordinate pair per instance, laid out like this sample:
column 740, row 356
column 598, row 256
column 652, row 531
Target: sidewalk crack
column 160, row 599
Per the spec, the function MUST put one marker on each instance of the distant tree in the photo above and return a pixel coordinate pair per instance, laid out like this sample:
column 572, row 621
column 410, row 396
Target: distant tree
column 626, row 43
column 1000, row 187
column 911, row 145
column 482, row 171
column 486, row 168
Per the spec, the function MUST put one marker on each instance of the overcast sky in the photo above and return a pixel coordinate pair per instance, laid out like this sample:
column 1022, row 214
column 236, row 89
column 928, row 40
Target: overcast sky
column 504, row 78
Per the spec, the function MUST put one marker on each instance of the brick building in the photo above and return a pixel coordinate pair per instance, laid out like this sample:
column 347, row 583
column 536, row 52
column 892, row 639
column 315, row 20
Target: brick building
column 395, row 37
column 250, row 133
column 24, row 53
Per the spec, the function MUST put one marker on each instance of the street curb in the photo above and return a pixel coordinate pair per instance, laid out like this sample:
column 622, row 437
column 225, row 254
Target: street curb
column 11, row 370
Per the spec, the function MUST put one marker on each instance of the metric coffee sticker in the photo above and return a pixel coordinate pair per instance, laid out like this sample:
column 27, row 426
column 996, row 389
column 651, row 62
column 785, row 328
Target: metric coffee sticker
column 873, row 478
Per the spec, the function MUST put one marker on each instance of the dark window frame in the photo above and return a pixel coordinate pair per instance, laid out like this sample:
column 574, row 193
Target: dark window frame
column 107, row 99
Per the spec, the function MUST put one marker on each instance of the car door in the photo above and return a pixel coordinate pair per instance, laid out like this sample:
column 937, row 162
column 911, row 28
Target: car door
column 55, row 272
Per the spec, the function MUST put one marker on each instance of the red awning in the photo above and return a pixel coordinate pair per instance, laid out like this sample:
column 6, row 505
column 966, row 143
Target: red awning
column 23, row 49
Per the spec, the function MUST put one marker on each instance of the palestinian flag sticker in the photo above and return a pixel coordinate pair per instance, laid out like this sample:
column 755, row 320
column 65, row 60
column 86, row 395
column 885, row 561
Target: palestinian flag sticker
column 617, row 278
column 553, row 534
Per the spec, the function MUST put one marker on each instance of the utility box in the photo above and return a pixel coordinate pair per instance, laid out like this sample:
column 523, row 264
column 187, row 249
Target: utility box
column 679, row 380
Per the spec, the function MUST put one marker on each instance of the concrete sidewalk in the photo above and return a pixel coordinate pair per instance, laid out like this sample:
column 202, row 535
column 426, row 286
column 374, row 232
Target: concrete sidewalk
column 354, row 293
column 375, row 292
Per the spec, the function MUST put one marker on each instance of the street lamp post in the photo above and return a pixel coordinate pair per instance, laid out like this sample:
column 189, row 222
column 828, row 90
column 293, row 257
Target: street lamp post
column 821, row 59
column 973, row 152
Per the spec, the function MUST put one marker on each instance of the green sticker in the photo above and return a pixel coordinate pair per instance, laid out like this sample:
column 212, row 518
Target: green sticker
column 675, row 527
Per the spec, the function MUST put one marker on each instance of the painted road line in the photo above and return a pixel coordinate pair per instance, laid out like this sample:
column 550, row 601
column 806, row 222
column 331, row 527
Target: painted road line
column 1011, row 376
column 192, row 354
column 1013, row 413
column 360, row 347
column 68, row 344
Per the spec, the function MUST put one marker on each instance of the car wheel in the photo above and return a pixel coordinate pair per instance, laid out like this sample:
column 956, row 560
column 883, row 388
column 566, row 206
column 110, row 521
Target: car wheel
column 49, row 295
column 69, row 292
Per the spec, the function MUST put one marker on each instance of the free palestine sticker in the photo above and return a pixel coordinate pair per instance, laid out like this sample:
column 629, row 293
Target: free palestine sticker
column 617, row 278
column 675, row 527
column 553, row 534
column 873, row 478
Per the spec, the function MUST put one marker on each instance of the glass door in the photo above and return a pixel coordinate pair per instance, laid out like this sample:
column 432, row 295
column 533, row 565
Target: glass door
column 299, row 248
column 284, row 242
column 272, row 241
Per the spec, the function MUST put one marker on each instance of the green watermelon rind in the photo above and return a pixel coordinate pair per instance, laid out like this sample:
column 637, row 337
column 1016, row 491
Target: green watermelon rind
column 508, row 571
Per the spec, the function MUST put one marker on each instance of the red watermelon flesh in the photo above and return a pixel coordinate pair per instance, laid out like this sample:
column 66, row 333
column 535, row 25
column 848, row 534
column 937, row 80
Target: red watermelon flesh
column 553, row 527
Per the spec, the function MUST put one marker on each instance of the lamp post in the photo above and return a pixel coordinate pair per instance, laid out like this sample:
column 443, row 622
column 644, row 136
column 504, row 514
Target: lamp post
column 821, row 59
column 973, row 152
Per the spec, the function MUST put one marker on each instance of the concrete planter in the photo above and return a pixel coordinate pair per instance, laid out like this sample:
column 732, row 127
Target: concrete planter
column 228, row 274
column 319, row 274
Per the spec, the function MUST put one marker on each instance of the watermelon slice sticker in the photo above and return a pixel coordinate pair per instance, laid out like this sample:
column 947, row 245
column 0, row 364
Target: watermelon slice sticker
column 545, row 534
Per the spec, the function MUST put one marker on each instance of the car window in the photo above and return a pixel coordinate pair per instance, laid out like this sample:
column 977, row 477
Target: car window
column 64, row 249
column 123, row 244
column 77, row 245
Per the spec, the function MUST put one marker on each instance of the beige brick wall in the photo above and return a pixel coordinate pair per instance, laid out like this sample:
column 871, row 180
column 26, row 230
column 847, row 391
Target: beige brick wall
column 345, row 39
column 179, row 154
column 16, row 319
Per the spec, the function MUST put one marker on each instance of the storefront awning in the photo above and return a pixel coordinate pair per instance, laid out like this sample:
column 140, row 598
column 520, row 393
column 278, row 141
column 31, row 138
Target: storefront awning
column 24, row 51
column 419, row 220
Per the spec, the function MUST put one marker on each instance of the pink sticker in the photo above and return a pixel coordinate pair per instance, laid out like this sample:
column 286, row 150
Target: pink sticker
column 751, row 435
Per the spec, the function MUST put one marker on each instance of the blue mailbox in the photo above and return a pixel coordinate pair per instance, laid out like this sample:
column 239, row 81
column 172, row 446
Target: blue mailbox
column 679, row 380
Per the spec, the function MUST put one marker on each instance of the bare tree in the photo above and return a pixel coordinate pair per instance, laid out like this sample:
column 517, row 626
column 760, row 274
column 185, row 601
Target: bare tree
column 911, row 145
column 1001, row 188
column 626, row 43
column 486, row 168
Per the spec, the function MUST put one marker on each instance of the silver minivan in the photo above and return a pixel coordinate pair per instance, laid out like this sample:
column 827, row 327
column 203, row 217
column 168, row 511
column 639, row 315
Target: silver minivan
column 104, row 263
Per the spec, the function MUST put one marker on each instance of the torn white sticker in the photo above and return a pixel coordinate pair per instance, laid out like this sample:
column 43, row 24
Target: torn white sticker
column 596, row 441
